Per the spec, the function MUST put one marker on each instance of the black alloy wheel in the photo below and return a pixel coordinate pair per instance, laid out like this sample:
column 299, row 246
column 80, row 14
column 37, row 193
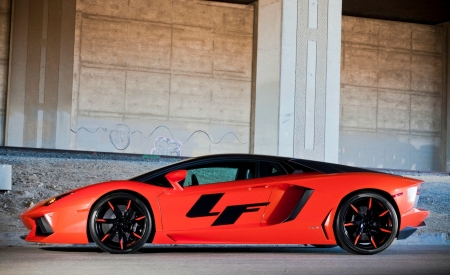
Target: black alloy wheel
column 366, row 223
column 120, row 223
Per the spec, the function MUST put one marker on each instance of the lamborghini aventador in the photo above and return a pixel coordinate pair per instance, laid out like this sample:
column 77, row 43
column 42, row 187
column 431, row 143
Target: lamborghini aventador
column 235, row 199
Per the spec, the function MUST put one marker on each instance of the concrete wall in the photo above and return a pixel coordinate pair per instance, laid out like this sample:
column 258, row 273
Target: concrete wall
column 391, row 94
column 162, row 77
column 5, row 14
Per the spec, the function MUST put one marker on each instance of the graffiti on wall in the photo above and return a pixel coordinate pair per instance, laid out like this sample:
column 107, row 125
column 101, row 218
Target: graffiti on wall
column 120, row 137
column 165, row 146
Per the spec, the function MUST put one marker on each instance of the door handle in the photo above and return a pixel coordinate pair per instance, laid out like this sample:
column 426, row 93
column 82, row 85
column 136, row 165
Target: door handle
column 258, row 186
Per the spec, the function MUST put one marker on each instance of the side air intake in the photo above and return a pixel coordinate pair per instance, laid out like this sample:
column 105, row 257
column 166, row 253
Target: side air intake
column 43, row 228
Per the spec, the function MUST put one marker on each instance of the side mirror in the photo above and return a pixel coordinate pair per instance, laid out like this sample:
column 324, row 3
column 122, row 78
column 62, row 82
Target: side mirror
column 175, row 177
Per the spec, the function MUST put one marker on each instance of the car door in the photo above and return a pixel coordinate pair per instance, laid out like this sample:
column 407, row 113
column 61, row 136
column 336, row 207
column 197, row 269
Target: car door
column 218, row 195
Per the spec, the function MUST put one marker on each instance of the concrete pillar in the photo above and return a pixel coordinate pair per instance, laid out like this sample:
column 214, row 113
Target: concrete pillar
column 5, row 177
column 296, row 106
column 40, row 74
column 446, row 95
column 5, row 18
column 267, row 94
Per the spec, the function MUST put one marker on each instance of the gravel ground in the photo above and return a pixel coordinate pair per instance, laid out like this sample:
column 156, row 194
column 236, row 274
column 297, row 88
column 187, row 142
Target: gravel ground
column 38, row 175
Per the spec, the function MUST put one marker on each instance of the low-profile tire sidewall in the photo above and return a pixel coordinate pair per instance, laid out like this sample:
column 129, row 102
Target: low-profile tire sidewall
column 342, row 239
column 96, row 208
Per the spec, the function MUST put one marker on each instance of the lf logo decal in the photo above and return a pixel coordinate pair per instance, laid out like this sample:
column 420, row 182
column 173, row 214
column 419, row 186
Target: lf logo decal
column 204, row 205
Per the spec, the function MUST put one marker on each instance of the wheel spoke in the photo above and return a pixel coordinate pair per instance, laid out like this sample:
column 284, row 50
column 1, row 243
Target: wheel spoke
column 112, row 229
column 108, row 221
column 385, row 230
column 139, row 218
column 111, row 206
column 129, row 214
column 110, row 234
column 349, row 224
column 354, row 208
column 116, row 210
column 357, row 239
column 373, row 242
column 104, row 238
column 136, row 235
column 129, row 204
column 384, row 213
column 121, row 241
column 370, row 203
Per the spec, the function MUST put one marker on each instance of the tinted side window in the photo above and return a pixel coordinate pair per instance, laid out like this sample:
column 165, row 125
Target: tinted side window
column 212, row 172
column 159, row 181
column 208, row 175
column 219, row 172
column 295, row 168
column 268, row 169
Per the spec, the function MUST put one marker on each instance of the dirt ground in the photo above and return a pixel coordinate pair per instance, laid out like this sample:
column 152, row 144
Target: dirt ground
column 38, row 176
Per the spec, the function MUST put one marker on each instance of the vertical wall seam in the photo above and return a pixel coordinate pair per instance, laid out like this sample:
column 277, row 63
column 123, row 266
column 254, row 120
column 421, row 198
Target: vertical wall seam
column 279, row 77
column 127, row 65
column 171, row 59
column 288, row 71
column 254, row 74
column 76, row 78
column 43, row 62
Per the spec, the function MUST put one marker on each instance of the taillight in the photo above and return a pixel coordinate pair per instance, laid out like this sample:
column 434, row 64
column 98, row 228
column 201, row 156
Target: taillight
column 419, row 189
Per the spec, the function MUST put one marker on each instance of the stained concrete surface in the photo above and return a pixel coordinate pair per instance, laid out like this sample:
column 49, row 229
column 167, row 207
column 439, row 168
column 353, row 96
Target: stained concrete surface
column 392, row 94
column 181, row 65
column 225, row 260
column 186, row 66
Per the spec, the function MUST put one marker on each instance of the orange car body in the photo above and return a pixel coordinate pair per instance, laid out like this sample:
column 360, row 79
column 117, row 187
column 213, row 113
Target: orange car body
column 258, row 211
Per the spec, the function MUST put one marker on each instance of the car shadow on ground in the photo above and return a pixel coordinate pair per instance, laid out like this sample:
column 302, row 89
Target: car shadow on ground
column 152, row 249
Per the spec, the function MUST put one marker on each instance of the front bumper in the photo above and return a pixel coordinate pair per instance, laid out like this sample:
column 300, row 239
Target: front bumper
column 53, row 224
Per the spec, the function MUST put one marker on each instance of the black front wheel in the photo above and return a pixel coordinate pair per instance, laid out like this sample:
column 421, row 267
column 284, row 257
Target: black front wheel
column 366, row 223
column 120, row 223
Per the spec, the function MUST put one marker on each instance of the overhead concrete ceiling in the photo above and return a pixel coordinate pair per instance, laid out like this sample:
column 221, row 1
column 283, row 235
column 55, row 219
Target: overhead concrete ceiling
column 430, row 12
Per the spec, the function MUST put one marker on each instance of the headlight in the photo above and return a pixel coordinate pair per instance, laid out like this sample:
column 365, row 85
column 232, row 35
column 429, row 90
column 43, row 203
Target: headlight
column 52, row 200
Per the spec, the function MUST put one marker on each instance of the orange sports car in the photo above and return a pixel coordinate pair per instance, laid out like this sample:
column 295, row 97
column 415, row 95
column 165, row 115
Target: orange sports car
column 235, row 199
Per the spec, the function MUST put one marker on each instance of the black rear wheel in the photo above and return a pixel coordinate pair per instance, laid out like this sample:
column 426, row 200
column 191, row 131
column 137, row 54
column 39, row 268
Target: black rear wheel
column 366, row 223
column 120, row 223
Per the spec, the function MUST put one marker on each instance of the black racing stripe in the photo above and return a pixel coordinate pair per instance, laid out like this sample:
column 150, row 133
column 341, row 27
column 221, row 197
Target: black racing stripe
column 233, row 212
column 204, row 205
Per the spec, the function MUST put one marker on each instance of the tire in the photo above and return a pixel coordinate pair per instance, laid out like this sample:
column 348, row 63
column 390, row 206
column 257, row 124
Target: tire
column 366, row 223
column 120, row 223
